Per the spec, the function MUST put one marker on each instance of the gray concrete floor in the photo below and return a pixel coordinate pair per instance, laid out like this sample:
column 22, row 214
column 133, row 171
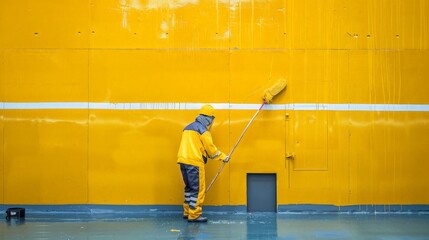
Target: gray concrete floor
column 220, row 226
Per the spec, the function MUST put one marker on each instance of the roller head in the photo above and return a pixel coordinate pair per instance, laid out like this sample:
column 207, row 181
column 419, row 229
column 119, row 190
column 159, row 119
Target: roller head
column 272, row 91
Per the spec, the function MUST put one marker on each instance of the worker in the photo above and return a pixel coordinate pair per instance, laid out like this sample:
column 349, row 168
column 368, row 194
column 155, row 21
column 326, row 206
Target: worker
column 195, row 148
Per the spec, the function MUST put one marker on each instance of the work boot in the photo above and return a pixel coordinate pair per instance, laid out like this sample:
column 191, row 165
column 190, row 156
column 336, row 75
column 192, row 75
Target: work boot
column 198, row 220
column 185, row 216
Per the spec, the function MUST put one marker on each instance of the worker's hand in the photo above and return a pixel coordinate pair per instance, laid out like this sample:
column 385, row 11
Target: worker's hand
column 226, row 159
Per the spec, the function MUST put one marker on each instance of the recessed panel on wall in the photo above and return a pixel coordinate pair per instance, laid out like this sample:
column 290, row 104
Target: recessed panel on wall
column 309, row 176
column 309, row 141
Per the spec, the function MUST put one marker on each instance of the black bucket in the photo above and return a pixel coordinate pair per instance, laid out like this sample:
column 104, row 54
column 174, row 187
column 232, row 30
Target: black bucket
column 18, row 213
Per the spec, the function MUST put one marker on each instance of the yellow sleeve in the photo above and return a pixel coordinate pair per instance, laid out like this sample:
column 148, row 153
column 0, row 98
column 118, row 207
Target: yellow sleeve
column 211, row 149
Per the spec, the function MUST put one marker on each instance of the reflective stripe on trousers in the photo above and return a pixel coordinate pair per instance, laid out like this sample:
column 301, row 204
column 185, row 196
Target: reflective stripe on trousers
column 194, row 180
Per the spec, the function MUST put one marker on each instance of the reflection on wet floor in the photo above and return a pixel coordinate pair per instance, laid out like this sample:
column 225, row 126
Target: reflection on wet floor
column 220, row 226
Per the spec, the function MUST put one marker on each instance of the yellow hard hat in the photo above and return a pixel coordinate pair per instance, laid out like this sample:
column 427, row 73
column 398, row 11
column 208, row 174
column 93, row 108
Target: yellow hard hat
column 207, row 110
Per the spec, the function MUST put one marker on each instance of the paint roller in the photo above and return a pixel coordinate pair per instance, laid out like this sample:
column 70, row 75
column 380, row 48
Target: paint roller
column 267, row 98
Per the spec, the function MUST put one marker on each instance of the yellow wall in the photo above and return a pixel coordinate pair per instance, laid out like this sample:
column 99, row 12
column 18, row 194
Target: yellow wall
column 201, row 51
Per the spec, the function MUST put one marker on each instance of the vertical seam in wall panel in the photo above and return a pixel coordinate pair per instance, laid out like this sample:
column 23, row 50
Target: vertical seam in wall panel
column 3, row 150
column 217, row 17
column 349, row 137
column 252, row 24
column 3, row 170
column 87, row 129
column 327, row 144
column 91, row 5
column 421, row 22
column 326, row 78
column 2, row 56
column 413, row 26
column 229, row 101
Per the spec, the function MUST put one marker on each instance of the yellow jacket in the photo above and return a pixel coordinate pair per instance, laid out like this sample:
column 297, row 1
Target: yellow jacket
column 197, row 145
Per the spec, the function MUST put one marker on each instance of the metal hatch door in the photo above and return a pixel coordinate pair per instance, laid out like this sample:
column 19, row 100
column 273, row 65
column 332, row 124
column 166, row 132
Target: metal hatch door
column 261, row 192
column 306, row 149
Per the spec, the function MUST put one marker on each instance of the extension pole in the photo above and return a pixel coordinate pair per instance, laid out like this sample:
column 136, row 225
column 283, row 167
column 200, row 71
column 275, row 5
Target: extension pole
column 235, row 146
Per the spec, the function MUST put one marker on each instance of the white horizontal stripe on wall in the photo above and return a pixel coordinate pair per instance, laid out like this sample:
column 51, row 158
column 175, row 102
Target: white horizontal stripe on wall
column 218, row 106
